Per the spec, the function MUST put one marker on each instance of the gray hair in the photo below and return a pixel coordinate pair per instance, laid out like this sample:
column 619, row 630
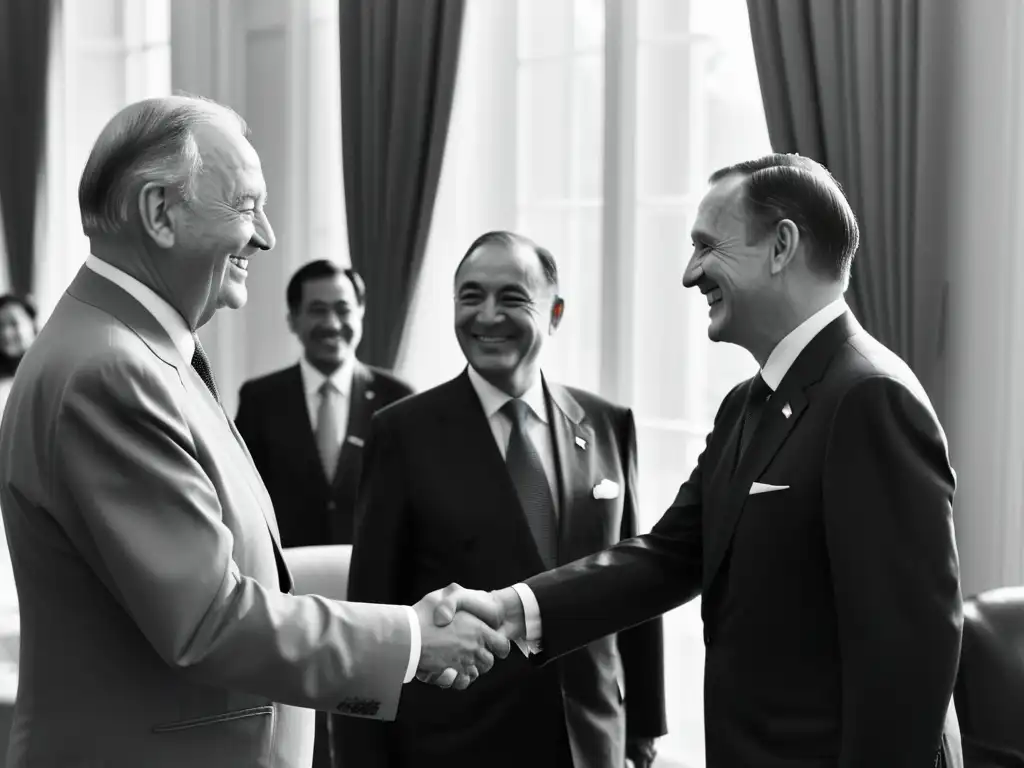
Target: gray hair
column 149, row 141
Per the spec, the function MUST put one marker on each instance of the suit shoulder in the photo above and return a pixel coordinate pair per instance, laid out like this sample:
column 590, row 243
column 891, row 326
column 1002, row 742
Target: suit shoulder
column 868, row 359
column 388, row 384
column 596, row 404
column 411, row 410
column 268, row 382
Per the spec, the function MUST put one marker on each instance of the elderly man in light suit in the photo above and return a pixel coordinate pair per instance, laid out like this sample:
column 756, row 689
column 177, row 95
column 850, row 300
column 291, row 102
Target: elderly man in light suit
column 157, row 623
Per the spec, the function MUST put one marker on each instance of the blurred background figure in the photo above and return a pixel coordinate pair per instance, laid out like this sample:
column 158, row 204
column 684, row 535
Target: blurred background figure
column 306, row 425
column 17, row 332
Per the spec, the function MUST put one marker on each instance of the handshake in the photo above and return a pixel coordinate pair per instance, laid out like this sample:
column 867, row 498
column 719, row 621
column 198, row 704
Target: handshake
column 462, row 630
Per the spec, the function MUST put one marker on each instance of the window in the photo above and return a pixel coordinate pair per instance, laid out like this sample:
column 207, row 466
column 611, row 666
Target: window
column 106, row 54
column 602, row 123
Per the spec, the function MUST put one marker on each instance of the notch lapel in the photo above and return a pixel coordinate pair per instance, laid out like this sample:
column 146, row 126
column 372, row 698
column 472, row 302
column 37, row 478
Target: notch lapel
column 568, row 428
column 796, row 391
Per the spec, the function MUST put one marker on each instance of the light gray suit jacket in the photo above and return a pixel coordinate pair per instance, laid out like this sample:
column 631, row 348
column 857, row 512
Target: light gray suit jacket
column 156, row 625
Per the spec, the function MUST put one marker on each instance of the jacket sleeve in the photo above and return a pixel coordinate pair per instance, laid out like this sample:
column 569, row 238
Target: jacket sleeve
column 130, row 467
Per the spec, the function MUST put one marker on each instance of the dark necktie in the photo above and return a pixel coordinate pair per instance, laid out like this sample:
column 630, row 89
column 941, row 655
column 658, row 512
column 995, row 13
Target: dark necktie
column 757, row 400
column 531, row 483
column 201, row 364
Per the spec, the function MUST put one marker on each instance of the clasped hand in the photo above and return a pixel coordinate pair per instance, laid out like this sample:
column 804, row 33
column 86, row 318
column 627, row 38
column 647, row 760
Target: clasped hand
column 461, row 631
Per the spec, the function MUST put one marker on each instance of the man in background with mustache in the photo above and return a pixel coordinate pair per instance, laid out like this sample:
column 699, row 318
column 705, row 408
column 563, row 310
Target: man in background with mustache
column 306, row 425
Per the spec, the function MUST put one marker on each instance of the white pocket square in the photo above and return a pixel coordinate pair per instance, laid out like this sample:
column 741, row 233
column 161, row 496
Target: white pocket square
column 606, row 489
column 766, row 488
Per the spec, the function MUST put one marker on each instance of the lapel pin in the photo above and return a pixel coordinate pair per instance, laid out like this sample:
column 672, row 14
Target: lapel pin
column 369, row 394
column 787, row 411
column 356, row 441
column 581, row 442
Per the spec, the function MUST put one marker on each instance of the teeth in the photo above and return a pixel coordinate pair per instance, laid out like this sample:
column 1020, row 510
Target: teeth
column 239, row 261
column 491, row 338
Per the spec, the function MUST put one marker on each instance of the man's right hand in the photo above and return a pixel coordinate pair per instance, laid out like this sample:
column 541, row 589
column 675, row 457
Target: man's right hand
column 465, row 644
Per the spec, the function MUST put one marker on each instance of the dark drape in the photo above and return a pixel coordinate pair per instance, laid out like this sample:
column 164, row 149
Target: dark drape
column 398, row 65
column 857, row 85
column 24, row 59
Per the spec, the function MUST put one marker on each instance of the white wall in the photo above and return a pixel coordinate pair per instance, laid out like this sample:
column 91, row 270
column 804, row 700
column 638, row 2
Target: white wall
column 985, row 417
column 276, row 63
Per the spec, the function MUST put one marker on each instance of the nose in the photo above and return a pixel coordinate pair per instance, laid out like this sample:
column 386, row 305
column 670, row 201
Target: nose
column 263, row 236
column 488, row 312
column 693, row 272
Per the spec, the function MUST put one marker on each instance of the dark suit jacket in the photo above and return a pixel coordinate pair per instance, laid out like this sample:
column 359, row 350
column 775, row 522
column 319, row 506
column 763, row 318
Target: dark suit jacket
column 274, row 421
column 832, row 609
column 438, row 506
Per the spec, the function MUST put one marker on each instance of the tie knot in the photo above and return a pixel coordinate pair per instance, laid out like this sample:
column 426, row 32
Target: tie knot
column 327, row 389
column 516, row 410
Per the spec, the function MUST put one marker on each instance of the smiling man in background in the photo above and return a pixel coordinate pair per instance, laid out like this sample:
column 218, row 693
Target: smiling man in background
column 496, row 476
column 306, row 425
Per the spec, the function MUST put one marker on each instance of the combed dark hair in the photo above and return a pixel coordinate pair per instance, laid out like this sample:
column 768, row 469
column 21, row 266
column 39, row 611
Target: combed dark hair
column 154, row 141
column 512, row 239
column 793, row 187
column 24, row 302
column 317, row 270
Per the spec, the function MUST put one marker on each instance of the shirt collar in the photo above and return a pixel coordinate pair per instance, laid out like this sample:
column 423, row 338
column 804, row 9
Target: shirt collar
column 312, row 379
column 168, row 317
column 788, row 350
column 493, row 399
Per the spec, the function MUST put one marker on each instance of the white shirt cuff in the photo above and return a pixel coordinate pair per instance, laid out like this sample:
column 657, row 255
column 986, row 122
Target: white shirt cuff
column 414, row 644
column 531, row 613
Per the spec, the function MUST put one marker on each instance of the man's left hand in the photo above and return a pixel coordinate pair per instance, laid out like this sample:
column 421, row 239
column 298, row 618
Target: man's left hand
column 641, row 752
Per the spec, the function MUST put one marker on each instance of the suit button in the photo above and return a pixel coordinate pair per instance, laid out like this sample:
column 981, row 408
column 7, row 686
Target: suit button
column 331, row 506
column 707, row 636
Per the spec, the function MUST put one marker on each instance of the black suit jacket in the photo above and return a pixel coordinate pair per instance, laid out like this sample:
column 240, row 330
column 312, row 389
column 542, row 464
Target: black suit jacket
column 832, row 608
column 438, row 506
column 274, row 421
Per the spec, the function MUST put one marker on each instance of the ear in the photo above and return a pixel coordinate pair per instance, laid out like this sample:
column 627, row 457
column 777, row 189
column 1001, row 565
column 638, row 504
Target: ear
column 291, row 323
column 154, row 213
column 784, row 245
column 557, row 310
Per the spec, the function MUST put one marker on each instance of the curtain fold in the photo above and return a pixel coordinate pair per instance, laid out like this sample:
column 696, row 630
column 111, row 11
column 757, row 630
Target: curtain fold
column 861, row 87
column 398, row 69
column 24, row 58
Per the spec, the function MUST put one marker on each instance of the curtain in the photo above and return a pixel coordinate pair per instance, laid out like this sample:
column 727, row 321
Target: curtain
column 398, row 67
column 24, row 56
column 861, row 86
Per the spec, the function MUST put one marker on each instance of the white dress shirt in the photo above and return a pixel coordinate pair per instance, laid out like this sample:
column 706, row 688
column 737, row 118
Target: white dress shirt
column 341, row 379
column 493, row 400
column 778, row 364
column 176, row 327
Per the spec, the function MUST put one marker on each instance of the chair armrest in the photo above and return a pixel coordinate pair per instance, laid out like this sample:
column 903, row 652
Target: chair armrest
column 320, row 570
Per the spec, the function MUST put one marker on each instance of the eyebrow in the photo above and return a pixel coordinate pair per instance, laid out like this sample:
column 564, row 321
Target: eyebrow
column 245, row 197
column 699, row 235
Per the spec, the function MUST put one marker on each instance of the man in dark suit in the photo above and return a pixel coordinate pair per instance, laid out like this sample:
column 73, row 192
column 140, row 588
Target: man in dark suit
column 490, row 478
column 817, row 524
column 306, row 425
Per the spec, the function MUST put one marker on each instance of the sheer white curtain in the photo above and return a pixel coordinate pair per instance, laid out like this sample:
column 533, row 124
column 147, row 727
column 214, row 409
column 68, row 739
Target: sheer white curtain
column 592, row 126
column 106, row 54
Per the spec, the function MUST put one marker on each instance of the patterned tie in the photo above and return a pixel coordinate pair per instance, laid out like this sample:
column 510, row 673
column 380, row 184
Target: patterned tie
column 201, row 364
column 531, row 483
column 328, row 441
column 757, row 400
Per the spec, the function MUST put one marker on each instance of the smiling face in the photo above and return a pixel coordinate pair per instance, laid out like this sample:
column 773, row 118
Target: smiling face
column 505, row 309
column 220, row 228
column 17, row 330
column 328, row 321
column 731, row 268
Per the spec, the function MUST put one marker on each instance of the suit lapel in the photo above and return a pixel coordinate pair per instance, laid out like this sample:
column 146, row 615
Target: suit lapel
column 360, row 413
column 785, row 408
column 573, row 439
column 467, row 431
